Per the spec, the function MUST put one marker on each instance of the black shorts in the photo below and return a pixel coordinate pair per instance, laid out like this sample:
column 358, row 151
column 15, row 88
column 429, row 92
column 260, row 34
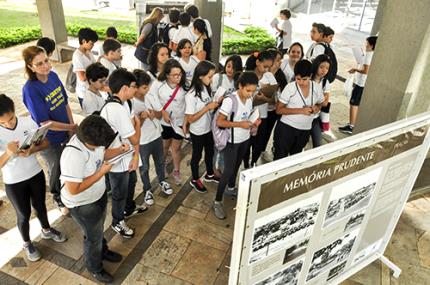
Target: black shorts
column 356, row 95
column 168, row 133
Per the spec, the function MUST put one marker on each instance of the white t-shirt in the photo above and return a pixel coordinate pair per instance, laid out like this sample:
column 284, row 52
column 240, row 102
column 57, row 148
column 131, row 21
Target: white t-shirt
column 243, row 112
column 193, row 105
column 266, row 79
column 109, row 65
column 287, row 70
column 287, row 28
column 18, row 169
column 189, row 66
column 293, row 98
column 150, row 129
column 176, row 109
column 225, row 82
column 315, row 50
column 184, row 33
column 80, row 62
column 360, row 77
column 92, row 102
column 119, row 118
column 76, row 165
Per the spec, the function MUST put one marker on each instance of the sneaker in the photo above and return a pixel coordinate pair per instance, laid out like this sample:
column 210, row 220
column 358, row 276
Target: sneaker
column 122, row 229
column 346, row 129
column 198, row 186
column 149, row 198
column 231, row 191
column 177, row 176
column 102, row 276
column 165, row 187
column 329, row 136
column 218, row 208
column 137, row 211
column 112, row 256
column 211, row 178
column 54, row 235
column 33, row 254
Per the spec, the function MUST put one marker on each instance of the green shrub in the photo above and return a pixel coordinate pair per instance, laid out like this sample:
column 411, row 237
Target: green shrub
column 10, row 37
column 253, row 39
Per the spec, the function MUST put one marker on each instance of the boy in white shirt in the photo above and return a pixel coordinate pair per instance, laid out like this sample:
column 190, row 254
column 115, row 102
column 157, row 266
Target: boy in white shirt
column 82, row 58
column 317, row 47
column 119, row 114
column 193, row 11
column 93, row 100
column 357, row 92
column 112, row 54
column 285, row 31
column 184, row 31
column 151, row 143
column 83, row 168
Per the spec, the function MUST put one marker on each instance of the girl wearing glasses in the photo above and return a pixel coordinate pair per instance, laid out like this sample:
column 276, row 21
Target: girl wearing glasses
column 46, row 100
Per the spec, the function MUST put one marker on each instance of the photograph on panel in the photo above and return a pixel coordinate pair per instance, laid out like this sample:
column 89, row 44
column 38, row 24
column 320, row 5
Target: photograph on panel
column 296, row 250
column 287, row 276
column 354, row 221
column 283, row 228
column 336, row 271
column 350, row 196
column 332, row 254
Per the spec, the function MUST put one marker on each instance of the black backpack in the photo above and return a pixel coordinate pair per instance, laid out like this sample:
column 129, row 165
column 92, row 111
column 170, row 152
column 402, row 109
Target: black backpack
column 163, row 35
column 331, row 75
column 112, row 99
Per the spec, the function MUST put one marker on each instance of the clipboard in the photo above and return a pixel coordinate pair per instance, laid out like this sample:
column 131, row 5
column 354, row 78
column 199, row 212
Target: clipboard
column 269, row 90
column 117, row 158
column 36, row 138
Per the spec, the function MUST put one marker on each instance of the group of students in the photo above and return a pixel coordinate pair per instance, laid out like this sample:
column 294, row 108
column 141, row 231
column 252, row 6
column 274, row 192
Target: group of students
column 131, row 116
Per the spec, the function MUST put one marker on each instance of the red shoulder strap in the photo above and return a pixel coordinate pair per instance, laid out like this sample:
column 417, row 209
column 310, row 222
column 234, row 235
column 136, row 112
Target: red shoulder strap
column 172, row 97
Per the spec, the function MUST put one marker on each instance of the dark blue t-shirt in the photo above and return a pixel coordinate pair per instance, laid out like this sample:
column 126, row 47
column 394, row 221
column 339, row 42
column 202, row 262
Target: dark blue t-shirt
column 45, row 102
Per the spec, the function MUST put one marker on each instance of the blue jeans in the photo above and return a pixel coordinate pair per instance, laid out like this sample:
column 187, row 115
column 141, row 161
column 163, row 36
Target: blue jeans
column 90, row 219
column 154, row 148
column 122, row 185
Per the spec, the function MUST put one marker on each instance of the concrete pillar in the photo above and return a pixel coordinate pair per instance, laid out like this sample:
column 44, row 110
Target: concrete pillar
column 213, row 10
column 53, row 24
column 378, row 17
column 398, row 84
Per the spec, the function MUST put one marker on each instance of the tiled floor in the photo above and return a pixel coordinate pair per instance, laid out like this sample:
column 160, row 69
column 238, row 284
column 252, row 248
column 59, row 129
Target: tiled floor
column 179, row 241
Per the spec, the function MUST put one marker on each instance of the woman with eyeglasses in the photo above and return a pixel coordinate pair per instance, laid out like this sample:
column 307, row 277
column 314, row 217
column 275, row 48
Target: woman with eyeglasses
column 170, row 90
column 46, row 99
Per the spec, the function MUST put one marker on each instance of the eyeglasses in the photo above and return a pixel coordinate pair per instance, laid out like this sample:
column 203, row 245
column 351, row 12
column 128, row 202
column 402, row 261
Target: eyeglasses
column 41, row 63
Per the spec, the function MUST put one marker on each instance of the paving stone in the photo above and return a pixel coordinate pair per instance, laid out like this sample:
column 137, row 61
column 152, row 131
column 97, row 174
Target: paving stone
column 142, row 275
column 200, row 264
column 20, row 268
column 165, row 252
column 221, row 279
column 45, row 270
column 191, row 212
column 424, row 249
column 199, row 230
column 63, row 276
column 411, row 275
column 229, row 208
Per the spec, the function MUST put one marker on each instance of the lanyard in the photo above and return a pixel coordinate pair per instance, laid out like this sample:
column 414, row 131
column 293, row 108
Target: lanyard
column 303, row 98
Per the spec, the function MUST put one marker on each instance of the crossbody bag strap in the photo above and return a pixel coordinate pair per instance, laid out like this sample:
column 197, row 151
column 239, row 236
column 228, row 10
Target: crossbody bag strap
column 172, row 97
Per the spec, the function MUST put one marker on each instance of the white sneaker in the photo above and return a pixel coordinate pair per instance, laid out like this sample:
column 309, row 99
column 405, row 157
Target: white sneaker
column 123, row 229
column 149, row 198
column 165, row 187
column 329, row 136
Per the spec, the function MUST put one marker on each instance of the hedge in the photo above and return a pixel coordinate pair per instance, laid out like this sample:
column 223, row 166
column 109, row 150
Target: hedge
column 251, row 40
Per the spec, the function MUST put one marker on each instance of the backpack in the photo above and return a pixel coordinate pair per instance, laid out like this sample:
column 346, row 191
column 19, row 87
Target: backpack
column 142, row 49
column 112, row 99
column 331, row 75
column 164, row 33
column 221, row 135
column 71, row 80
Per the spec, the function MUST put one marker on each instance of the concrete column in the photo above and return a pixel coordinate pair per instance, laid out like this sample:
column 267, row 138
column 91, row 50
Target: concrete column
column 378, row 17
column 213, row 10
column 398, row 84
column 53, row 24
